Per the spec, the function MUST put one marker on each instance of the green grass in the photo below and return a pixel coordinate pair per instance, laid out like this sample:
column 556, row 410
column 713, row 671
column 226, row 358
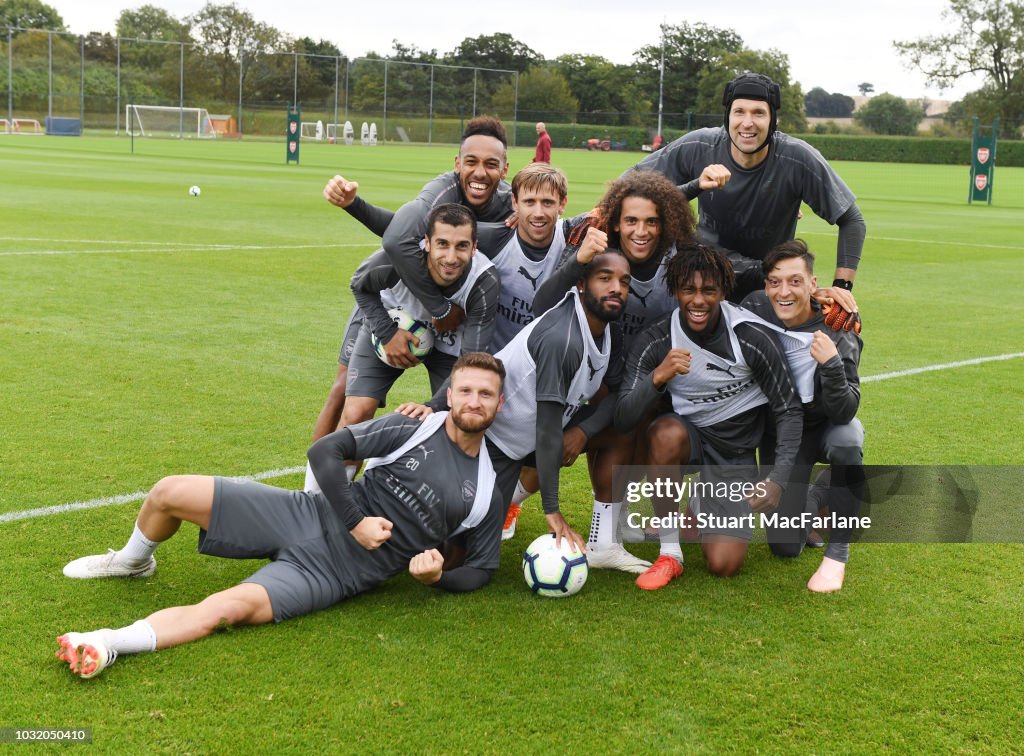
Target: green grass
column 175, row 334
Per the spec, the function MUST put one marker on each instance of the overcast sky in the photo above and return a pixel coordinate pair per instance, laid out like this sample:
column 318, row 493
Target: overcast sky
column 833, row 46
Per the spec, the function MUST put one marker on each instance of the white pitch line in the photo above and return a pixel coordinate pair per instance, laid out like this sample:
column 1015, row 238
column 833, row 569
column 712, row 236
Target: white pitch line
column 945, row 366
column 126, row 498
column 166, row 250
column 75, row 506
column 50, row 240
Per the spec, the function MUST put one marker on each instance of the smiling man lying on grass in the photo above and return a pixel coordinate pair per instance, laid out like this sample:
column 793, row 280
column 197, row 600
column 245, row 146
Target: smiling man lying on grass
column 424, row 483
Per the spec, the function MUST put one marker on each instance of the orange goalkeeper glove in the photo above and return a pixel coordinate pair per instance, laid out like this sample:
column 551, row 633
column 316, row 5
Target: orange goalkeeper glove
column 578, row 232
column 839, row 319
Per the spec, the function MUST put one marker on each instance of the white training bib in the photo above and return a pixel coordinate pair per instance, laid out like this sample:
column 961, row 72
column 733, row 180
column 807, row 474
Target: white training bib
column 520, row 278
column 449, row 342
column 514, row 429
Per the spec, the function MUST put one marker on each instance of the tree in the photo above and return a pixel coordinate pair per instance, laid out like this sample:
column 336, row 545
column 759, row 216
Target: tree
column 30, row 14
column 230, row 34
column 866, row 88
column 150, row 22
column 99, row 48
column 409, row 84
column 984, row 104
column 543, row 96
column 602, row 87
column 147, row 60
column 773, row 64
column 474, row 91
column 987, row 38
column 889, row 114
column 322, row 59
column 690, row 50
column 499, row 50
column 820, row 104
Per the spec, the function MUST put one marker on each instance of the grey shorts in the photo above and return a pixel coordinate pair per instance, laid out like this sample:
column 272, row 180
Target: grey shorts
column 311, row 558
column 369, row 376
column 733, row 469
column 348, row 341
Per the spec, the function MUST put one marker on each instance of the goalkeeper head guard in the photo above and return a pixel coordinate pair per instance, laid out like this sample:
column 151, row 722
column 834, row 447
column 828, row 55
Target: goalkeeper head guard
column 754, row 86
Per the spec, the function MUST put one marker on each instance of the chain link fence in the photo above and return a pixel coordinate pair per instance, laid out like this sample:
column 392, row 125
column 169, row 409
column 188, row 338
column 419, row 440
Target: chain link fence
column 95, row 77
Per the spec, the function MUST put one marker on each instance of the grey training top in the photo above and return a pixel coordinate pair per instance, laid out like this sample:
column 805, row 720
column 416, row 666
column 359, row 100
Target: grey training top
column 376, row 273
column 836, row 383
column 426, row 493
column 405, row 231
column 757, row 210
column 736, row 434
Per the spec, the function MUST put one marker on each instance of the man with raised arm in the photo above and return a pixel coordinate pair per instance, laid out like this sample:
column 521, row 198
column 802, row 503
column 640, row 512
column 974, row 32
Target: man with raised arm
column 750, row 179
column 477, row 182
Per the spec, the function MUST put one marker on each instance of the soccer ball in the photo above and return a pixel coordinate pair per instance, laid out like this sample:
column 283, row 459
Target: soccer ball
column 554, row 572
column 195, row 191
column 417, row 328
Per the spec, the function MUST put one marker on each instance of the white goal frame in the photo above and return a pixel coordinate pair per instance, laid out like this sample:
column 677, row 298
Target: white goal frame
column 312, row 130
column 168, row 121
column 21, row 126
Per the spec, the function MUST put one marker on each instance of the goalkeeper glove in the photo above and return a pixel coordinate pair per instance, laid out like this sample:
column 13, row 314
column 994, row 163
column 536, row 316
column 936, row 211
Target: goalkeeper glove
column 578, row 232
column 839, row 319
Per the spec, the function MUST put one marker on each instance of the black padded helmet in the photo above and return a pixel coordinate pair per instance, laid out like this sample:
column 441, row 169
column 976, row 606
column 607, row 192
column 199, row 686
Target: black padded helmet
column 754, row 86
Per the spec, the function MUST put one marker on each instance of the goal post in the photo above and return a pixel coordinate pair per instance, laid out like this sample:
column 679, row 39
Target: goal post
column 20, row 126
column 168, row 121
column 346, row 135
column 312, row 130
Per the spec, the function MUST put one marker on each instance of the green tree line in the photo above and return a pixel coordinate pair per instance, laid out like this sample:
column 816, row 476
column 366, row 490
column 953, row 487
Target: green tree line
column 223, row 48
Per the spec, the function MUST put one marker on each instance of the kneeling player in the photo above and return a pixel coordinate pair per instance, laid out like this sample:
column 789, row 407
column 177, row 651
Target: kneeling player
column 644, row 216
column 719, row 366
column 323, row 547
column 556, row 365
column 831, row 432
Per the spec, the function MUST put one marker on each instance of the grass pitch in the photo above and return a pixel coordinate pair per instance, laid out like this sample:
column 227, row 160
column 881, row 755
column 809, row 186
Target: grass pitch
column 144, row 332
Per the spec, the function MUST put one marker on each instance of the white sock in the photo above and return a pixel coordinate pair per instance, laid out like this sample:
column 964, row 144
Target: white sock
column 521, row 494
column 310, row 485
column 138, row 550
column 136, row 638
column 350, row 472
column 603, row 522
column 694, row 505
column 669, row 538
column 624, row 518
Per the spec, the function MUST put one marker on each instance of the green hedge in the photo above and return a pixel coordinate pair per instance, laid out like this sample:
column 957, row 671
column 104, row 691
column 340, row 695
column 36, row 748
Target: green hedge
column 575, row 135
column 872, row 149
column 880, row 149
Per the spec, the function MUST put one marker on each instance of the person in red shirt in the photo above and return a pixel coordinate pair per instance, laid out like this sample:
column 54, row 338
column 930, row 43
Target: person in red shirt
column 543, row 152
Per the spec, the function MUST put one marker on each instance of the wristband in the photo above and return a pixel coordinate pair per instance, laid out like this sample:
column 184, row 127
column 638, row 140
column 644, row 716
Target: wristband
column 842, row 283
column 447, row 311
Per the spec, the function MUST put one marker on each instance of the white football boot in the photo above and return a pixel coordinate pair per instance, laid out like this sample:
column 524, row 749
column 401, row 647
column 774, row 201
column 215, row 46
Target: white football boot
column 86, row 653
column 107, row 565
